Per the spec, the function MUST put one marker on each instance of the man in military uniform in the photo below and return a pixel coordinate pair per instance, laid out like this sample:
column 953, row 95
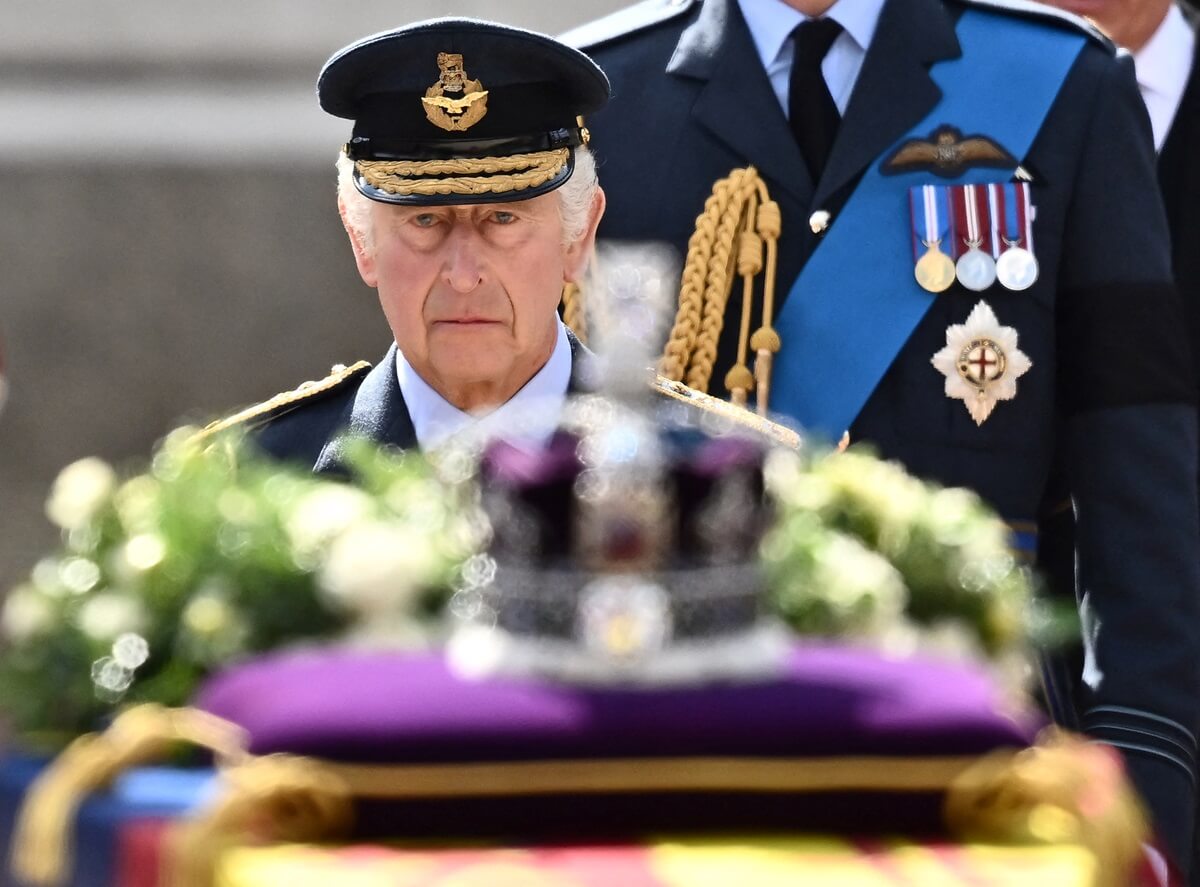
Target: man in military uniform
column 469, row 202
column 1021, row 336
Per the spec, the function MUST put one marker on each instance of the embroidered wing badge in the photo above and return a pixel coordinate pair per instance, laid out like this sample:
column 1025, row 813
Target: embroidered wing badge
column 948, row 153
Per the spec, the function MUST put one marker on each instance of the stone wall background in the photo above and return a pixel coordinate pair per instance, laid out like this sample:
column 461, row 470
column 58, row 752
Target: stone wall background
column 169, row 244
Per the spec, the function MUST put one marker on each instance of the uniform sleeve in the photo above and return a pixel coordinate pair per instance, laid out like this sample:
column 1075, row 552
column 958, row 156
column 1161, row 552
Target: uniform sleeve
column 1130, row 440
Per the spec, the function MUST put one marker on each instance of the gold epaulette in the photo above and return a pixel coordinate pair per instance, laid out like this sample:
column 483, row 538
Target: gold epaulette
column 780, row 434
column 338, row 375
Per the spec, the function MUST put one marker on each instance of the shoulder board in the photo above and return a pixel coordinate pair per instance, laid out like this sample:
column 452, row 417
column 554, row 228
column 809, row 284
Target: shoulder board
column 1046, row 13
column 284, row 402
column 773, row 431
column 625, row 21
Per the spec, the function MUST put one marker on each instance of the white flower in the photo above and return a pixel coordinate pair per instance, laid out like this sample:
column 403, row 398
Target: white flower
column 27, row 614
column 110, row 677
column 79, row 491
column 207, row 614
column 107, row 615
column 130, row 650
column 325, row 513
column 79, row 575
column 981, row 362
column 376, row 567
column 143, row 552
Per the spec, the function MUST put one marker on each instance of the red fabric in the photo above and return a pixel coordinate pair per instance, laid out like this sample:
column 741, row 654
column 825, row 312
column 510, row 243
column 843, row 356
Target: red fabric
column 139, row 852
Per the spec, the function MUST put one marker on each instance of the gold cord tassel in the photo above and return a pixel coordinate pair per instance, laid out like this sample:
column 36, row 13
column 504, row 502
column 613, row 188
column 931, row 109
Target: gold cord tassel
column 1061, row 791
column 273, row 798
column 739, row 223
column 42, row 849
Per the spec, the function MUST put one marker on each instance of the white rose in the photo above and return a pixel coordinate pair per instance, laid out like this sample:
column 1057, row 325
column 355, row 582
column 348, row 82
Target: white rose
column 326, row 513
column 109, row 614
column 377, row 567
column 79, row 491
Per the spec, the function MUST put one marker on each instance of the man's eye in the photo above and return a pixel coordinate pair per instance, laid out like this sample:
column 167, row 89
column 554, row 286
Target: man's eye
column 425, row 220
column 503, row 217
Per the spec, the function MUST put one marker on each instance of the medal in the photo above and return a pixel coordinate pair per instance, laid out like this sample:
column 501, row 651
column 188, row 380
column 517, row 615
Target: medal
column 934, row 270
column 981, row 362
column 1017, row 268
column 976, row 269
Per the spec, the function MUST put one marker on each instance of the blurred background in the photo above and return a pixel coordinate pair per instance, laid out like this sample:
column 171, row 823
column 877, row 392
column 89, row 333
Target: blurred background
column 169, row 241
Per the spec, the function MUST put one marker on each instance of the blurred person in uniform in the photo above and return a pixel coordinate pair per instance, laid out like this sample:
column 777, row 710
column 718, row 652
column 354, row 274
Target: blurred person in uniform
column 470, row 199
column 1161, row 36
column 974, row 278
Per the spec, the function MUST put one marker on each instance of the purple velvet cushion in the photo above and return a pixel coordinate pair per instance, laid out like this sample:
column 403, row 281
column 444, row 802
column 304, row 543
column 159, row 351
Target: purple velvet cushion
column 410, row 708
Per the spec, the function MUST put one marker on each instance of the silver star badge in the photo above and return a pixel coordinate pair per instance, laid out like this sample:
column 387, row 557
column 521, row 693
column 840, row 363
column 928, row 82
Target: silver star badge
column 981, row 362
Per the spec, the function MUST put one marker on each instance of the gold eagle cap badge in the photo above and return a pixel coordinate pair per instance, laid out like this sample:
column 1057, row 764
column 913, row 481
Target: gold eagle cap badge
column 454, row 103
column 948, row 153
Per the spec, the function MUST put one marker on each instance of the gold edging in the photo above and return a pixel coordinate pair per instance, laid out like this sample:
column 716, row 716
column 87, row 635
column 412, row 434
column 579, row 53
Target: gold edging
column 780, row 434
column 286, row 398
column 633, row 775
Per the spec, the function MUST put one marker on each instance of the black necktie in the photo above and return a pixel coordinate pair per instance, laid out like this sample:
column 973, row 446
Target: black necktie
column 811, row 110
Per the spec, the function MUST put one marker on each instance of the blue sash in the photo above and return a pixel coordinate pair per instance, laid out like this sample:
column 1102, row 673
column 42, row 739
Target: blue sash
column 856, row 302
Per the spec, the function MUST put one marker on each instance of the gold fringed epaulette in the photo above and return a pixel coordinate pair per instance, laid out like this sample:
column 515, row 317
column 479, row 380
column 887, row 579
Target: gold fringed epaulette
column 725, row 410
column 339, row 375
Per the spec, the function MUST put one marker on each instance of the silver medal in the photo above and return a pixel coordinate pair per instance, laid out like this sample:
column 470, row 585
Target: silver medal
column 1017, row 269
column 976, row 270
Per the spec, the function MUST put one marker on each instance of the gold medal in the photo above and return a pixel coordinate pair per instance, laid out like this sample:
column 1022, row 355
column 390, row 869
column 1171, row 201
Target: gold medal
column 935, row 270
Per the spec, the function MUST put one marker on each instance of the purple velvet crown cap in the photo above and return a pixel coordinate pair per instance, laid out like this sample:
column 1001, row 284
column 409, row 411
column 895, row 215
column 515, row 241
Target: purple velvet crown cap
column 531, row 496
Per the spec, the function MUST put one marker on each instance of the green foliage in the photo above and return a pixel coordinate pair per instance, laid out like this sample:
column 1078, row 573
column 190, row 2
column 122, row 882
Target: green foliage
column 862, row 549
column 210, row 556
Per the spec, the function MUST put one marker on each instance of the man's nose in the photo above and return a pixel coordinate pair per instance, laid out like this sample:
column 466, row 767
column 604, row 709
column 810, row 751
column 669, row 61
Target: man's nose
column 463, row 269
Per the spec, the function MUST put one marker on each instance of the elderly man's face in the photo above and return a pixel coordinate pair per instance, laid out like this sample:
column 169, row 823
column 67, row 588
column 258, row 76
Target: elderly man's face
column 471, row 292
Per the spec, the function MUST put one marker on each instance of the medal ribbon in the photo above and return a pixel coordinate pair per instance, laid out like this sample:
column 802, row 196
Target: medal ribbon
column 846, row 319
column 1025, row 212
column 974, row 238
column 993, row 203
column 1010, row 207
column 933, row 223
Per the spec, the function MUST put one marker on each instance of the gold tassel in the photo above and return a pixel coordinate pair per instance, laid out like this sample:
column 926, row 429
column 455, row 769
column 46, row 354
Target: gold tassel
column 42, row 848
column 277, row 798
column 1062, row 791
column 739, row 224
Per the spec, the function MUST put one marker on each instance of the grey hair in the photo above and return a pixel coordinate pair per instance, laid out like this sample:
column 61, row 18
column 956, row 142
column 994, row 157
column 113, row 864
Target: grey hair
column 575, row 198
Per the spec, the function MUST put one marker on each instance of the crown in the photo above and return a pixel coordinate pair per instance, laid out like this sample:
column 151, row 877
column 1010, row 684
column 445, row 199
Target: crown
column 622, row 550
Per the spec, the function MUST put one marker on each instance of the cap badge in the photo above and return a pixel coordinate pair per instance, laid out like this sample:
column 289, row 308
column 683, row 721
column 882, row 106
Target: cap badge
column 981, row 362
column 454, row 103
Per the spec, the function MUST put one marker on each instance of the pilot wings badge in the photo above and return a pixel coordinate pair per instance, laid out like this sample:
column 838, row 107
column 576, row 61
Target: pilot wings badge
column 981, row 362
column 454, row 103
column 948, row 154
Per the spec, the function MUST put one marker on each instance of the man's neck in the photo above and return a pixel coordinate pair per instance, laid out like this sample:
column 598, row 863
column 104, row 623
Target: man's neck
column 1133, row 29
column 811, row 8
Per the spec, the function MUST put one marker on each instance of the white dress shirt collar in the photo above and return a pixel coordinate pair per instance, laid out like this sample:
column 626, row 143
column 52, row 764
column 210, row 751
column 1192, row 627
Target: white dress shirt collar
column 771, row 23
column 1163, row 66
column 532, row 413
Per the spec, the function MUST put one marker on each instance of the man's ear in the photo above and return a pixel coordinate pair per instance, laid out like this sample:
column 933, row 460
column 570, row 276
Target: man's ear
column 579, row 253
column 363, row 257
